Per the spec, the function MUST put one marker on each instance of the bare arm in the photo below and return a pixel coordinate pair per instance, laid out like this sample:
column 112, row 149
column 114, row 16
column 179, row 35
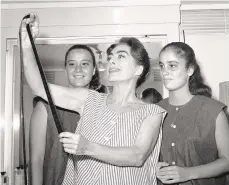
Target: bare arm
column 68, row 98
column 38, row 125
column 174, row 174
column 221, row 165
column 120, row 156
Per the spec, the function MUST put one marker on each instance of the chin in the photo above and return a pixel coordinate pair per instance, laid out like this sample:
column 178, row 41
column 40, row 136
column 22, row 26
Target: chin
column 173, row 88
column 170, row 87
column 79, row 85
column 112, row 79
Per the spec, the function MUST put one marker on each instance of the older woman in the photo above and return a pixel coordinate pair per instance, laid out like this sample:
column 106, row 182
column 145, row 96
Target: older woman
column 118, row 137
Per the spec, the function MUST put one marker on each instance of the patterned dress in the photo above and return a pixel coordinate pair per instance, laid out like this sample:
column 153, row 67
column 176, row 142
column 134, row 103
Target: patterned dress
column 103, row 125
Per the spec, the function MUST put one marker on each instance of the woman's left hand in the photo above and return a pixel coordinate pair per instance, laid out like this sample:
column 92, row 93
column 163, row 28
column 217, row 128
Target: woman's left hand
column 173, row 174
column 73, row 143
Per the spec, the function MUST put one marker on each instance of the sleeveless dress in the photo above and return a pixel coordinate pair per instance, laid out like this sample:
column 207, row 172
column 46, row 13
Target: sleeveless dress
column 55, row 159
column 103, row 125
column 189, row 136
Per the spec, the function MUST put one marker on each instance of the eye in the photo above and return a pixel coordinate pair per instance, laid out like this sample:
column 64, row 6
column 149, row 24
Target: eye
column 71, row 64
column 110, row 59
column 120, row 56
column 172, row 66
column 161, row 65
column 85, row 64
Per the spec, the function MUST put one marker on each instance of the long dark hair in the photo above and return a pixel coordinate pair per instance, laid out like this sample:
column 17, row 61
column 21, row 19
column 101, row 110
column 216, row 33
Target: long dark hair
column 138, row 52
column 196, row 81
column 95, row 83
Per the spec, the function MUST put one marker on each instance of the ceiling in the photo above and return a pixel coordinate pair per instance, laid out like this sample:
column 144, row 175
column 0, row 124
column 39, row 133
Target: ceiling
column 204, row 2
column 46, row 1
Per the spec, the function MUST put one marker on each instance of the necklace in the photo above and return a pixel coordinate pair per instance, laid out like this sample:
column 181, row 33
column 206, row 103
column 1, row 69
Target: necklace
column 178, row 109
column 176, row 116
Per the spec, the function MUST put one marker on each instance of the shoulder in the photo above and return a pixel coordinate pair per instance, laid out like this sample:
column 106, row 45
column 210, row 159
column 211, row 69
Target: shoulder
column 95, row 99
column 40, row 109
column 154, row 109
column 92, row 94
column 163, row 103
column 101, row 89
column 211, row 105
column 40, row 105
column 153, row 115
column 38, row 99
column 211, row 102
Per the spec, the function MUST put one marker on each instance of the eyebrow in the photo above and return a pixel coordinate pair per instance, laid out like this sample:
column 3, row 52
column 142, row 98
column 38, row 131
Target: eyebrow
column 80, row 60
column 171, row 61
column 122, row 51
column 86, row 60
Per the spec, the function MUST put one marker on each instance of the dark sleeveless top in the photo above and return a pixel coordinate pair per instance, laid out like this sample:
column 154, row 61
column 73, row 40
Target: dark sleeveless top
column 188, row 135
column 55, row 159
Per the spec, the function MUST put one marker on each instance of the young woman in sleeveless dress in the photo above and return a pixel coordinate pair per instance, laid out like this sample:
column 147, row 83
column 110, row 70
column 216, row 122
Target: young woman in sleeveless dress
column 195, row 149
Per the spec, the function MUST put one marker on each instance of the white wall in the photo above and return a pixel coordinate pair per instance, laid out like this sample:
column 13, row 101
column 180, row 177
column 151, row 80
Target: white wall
column 67, row 20
column 212, row 52
column 64, row 19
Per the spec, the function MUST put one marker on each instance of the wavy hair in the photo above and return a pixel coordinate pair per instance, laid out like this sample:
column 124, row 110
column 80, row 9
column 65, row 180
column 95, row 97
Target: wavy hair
column 139, row 53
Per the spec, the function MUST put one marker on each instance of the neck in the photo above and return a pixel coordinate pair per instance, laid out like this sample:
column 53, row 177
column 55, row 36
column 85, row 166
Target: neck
column 72, row 86
column 123, row 93
column 180, row 97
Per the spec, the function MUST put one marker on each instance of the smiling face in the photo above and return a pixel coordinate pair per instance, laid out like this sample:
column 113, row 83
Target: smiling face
column 122, row 66
column 174, row 72
column 79, row 67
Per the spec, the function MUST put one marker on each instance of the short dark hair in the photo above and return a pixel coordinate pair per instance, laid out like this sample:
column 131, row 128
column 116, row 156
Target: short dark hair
column 95, row 81
column 138, row 52
column 110, row 48
column 152, row 94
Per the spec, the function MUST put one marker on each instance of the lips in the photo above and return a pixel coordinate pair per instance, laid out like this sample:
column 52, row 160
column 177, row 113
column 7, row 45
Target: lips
column 78, row 76
column 114, row 69
column 167, row 80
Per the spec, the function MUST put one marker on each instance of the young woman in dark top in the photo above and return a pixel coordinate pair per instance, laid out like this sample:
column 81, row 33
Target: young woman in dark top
column 47, row 158
column 195, row 144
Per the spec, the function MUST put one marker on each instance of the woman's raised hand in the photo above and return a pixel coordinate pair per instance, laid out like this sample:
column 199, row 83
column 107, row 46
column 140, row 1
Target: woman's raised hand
column 33, row 21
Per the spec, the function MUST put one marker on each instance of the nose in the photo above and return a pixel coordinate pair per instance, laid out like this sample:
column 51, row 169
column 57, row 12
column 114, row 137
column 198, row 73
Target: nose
column 164, row 72
column 78, row 68
column 111, row 62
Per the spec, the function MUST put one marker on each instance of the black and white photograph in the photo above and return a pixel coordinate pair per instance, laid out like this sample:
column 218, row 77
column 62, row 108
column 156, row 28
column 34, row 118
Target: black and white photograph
column 114, row 92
